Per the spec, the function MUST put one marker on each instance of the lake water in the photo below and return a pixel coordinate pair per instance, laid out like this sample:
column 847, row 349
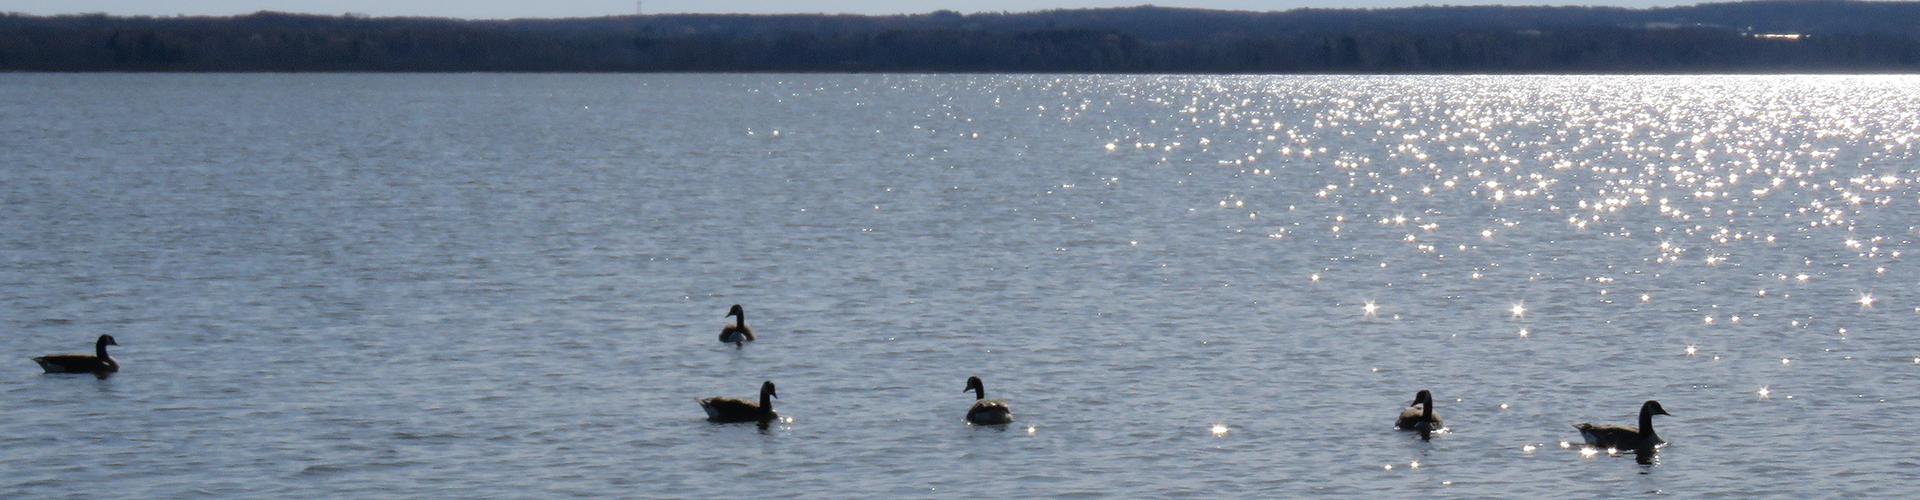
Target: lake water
column 509, row 286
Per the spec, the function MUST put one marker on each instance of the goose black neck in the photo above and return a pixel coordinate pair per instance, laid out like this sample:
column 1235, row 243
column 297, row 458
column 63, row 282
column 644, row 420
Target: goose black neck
column 980, row 392
column 766, row 402
column 100, row 349
column 1646, row 420
column 1426, row 410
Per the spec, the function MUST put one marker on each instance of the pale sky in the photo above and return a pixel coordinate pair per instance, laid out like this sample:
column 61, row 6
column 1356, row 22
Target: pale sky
column 495, row 9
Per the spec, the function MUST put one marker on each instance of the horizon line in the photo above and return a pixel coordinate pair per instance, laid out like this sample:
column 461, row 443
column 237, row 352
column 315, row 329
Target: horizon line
column 358, row 15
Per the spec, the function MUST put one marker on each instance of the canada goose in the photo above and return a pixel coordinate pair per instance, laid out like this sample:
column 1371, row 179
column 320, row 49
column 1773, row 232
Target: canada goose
column 727, row 410
column 1626, row 436
column 1420, row 416
column 738, row 333
column 98, row 362
column 986, row 411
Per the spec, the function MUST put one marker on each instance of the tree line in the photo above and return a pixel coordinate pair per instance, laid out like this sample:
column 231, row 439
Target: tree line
column 1760, row 36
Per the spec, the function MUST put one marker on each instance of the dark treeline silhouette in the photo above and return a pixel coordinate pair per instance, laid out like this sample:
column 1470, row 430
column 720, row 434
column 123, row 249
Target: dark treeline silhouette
column 1762, row 36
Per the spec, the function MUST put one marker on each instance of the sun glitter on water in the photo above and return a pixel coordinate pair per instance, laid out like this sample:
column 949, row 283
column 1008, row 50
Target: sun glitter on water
column 1219, row 430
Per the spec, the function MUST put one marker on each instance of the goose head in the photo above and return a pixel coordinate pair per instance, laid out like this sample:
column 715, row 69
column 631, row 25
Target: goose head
column 1423, row 398
column 766, row 388
column 1653, row 408
column 979, row 389
column 735, row 311
column 106, row 340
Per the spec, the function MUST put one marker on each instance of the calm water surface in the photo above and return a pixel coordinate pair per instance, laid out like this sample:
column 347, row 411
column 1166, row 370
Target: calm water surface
column 465, row 286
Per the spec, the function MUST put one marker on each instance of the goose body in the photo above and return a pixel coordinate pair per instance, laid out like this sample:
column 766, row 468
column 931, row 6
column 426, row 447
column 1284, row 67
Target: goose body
column 986, row 411
column 728, row 410
column 737, row 333
column 1631, row 437
column 1420, row 416
column 98, row 362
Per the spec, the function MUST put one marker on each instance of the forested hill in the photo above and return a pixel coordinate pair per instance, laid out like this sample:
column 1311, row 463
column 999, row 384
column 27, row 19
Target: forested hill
column 1761, row 36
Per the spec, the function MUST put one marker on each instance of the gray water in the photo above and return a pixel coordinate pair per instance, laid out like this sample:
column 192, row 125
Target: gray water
column 509, row 286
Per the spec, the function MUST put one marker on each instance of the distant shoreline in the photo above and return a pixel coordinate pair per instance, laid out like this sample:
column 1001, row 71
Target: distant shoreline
column 1766, row 37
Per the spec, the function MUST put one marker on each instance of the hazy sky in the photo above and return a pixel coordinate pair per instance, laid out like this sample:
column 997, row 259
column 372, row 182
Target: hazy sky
column 585, row 8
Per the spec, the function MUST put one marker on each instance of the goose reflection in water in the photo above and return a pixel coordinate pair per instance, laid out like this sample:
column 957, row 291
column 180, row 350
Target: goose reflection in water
column 1645, row 456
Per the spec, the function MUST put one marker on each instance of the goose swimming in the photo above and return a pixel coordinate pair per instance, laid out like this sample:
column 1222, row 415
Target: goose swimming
column 1420, row 416
column 729, row 410
column 98, row 362
column 986, row 411
column 738, row 333
column 1626, row 436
